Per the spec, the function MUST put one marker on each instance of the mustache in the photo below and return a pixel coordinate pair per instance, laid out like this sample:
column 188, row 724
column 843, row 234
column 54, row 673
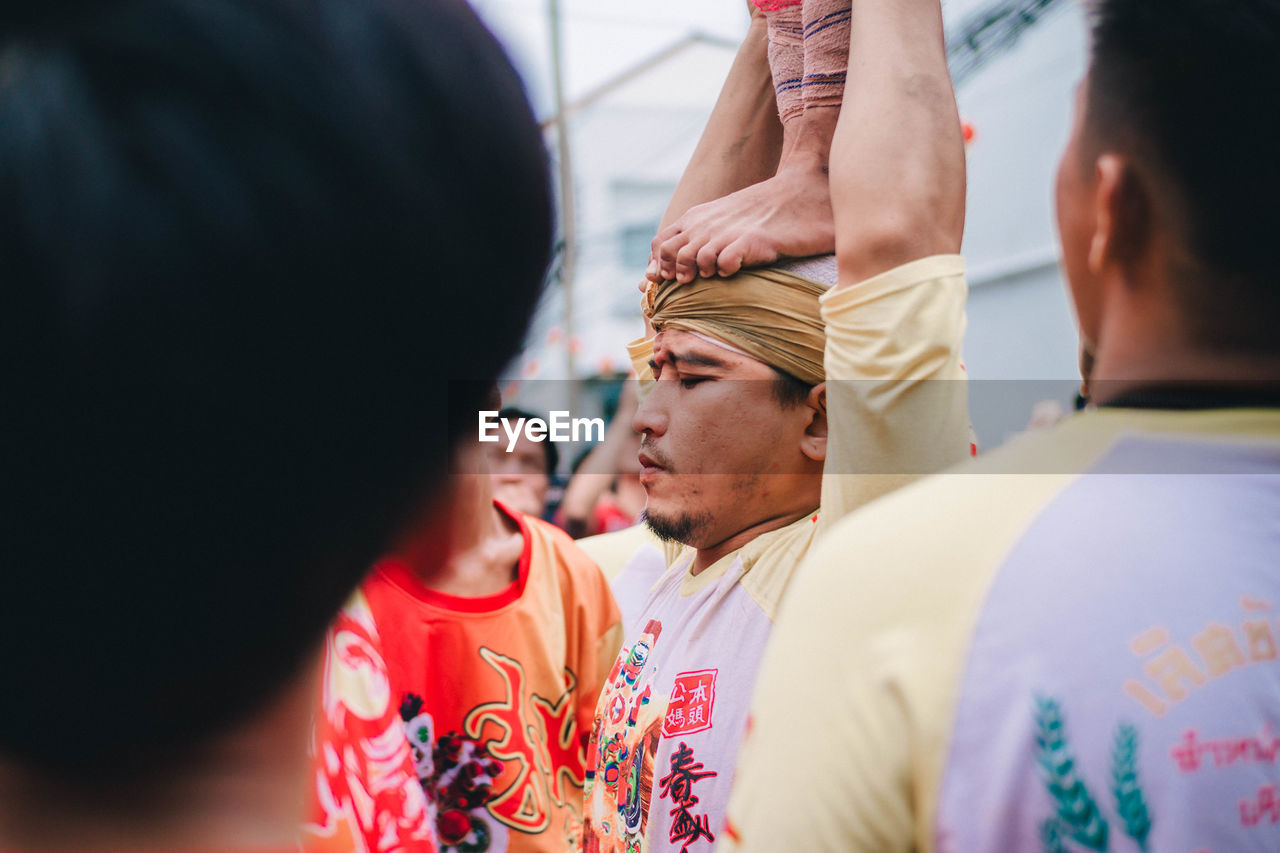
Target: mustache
column 648, row 448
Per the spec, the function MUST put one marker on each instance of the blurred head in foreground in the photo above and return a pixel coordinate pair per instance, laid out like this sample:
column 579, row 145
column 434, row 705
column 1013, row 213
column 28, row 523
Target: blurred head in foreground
column 235, row 237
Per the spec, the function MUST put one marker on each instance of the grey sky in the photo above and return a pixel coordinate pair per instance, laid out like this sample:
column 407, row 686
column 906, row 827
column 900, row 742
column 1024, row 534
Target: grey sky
column 601, row 37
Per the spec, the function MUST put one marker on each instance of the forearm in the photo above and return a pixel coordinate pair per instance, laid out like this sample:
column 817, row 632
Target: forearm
column 597, row 471
column 742, row 141
column 897, row 159
column 580, row 499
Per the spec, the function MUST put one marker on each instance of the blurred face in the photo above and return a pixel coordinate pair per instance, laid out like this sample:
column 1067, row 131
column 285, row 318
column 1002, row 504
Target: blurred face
column 1076, row 221
column 719, row 453
column 520, row 478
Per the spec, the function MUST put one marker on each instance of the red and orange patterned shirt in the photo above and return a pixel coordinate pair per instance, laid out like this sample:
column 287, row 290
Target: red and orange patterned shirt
column 497, row 693
column 366, row 797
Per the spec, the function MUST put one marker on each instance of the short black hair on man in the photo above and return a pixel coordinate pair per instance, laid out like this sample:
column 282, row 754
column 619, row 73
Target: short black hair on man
column 789, row 390
column 549, row 450
column 1189, row 88
column 243, row 243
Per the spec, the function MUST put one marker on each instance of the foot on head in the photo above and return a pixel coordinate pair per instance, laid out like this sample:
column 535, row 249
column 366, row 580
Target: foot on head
column 788, row 215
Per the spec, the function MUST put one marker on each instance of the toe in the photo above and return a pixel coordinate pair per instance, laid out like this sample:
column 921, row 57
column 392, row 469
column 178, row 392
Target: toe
column 687, row 260
column 667, row 255
column 749, row 250
column 707, row 256
column 729, row 260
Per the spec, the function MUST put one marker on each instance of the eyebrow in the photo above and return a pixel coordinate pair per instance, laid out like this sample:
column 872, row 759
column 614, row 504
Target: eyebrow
column 691, row 358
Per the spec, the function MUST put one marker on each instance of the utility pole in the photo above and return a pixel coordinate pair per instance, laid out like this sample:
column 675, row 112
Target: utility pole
column 568, row 220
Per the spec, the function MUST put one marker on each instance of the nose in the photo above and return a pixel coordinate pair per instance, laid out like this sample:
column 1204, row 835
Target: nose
column 651, row 413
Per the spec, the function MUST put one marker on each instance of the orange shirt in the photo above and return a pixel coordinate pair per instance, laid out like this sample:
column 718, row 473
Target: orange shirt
column 498, row 692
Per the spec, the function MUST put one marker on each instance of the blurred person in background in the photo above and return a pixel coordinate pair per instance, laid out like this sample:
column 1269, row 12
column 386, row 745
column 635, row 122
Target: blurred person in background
column 522, row 476
column 223, row 229
column 496, row 654
column 604, row 495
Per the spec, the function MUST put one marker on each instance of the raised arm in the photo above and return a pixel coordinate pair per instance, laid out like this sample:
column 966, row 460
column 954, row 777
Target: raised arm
column 894, row 328
column 897, row 158
column 896, row 400
column 600, row 468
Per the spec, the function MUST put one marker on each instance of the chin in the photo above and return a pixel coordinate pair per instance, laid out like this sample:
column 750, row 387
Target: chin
column 519, row 501
column 686, row 528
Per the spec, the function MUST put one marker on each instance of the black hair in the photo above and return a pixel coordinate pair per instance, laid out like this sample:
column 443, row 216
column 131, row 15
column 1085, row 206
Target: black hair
column 243, row 244
column 1189, row 88
column 788, row 390
column 549, row 450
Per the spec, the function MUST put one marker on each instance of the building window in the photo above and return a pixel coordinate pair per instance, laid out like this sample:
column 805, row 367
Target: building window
column 634, row 244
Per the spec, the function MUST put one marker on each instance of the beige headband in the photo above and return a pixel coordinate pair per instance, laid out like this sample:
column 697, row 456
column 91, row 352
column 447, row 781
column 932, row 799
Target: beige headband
column 768, row 314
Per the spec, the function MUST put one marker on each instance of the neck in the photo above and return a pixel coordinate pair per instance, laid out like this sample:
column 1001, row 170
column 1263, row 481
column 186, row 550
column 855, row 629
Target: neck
column 477, row 519
column 246, row 789
column 1117, row 373
column 479, row 555
column 708, row 556
column 1144, row 341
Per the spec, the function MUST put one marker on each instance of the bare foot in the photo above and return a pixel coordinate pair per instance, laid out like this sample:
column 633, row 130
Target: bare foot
column 788, row 215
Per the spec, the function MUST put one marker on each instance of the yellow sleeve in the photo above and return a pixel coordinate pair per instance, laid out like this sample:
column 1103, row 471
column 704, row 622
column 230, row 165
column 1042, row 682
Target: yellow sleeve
column 897, row 404
column 640, row 351
column 612, row 551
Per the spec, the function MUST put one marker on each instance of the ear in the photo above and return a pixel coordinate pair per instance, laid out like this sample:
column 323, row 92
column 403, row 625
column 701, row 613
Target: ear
column 1122, row 213
column 814, row 442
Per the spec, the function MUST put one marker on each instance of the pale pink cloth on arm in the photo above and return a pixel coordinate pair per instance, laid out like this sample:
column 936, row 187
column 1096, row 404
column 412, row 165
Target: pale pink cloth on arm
column 826, row 51
column 808, row 52
column 786, row 54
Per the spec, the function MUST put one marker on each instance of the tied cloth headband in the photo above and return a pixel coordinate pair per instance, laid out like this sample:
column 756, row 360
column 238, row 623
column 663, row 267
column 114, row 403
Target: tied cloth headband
column 769, row 314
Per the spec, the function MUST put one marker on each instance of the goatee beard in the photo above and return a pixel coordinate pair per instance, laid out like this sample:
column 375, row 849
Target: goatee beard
column 680, row 528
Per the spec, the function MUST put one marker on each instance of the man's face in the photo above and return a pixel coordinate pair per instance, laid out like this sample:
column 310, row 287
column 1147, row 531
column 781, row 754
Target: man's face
column 520, row 478
column 720, row 453
column 1076, row 221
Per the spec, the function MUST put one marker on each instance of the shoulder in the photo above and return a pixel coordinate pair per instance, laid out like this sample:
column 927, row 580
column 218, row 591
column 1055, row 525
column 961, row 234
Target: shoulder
column 612, row 552
column 920, row 547
column 770, row 561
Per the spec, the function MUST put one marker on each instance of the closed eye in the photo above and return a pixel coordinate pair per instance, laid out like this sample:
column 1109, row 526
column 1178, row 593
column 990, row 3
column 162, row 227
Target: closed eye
column 690, row 381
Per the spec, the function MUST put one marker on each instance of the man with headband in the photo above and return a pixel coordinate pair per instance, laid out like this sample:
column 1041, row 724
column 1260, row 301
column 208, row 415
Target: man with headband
column 772, row 405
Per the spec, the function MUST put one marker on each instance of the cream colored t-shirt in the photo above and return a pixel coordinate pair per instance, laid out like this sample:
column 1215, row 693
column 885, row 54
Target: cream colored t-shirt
column 674, row 707
column 1068, row 645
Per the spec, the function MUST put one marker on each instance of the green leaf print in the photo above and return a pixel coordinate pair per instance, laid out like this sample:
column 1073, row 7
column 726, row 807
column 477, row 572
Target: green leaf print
column 1051, row 836
column 1077, row 812
column 1130, row 804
